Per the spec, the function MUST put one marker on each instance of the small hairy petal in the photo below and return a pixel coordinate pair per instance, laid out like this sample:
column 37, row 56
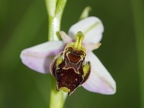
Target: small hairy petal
column 66, row 39
column 91, row 47
column 92, row 28
column 100, row 80
column 40, row 56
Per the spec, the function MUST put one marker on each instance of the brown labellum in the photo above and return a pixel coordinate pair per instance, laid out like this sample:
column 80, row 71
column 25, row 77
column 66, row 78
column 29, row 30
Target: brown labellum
column 70, row 68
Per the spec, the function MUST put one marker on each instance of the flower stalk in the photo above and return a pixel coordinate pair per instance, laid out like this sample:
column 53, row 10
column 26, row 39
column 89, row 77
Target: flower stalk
column 57, row 98
column 55, row 10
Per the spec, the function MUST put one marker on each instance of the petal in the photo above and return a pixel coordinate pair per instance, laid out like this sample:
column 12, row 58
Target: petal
column 39, row 57
column 100, row 80
column 66, row 39
column 91, row 47
column 92, row 27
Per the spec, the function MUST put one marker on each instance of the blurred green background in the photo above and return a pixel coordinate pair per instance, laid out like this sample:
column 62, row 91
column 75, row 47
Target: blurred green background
column 23, row 23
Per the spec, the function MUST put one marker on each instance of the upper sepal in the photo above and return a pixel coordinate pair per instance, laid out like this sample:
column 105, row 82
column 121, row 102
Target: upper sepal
column 92, row 28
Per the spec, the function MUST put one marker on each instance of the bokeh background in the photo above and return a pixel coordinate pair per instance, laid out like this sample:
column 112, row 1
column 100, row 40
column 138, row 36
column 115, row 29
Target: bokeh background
column 23, row 23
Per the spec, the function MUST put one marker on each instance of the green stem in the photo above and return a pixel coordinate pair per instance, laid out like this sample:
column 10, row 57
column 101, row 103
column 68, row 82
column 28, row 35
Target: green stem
column 53, row 28
column 60, row 7
column 55, row 14
column 55, row 10
column 138, row 17
column 51, row 7
column 57, row 98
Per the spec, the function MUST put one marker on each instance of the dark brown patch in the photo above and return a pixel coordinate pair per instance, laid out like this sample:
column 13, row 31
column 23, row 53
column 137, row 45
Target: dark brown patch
column 69, row 72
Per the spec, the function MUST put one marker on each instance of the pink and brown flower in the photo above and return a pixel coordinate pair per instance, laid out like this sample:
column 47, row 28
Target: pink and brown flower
column 72, row 61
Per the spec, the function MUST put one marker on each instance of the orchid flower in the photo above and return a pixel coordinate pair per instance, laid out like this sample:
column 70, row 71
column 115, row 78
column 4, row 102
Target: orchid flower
column 40, row 57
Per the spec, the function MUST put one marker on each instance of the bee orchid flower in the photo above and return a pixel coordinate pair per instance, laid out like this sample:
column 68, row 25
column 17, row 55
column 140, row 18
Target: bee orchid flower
column 71, row 61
